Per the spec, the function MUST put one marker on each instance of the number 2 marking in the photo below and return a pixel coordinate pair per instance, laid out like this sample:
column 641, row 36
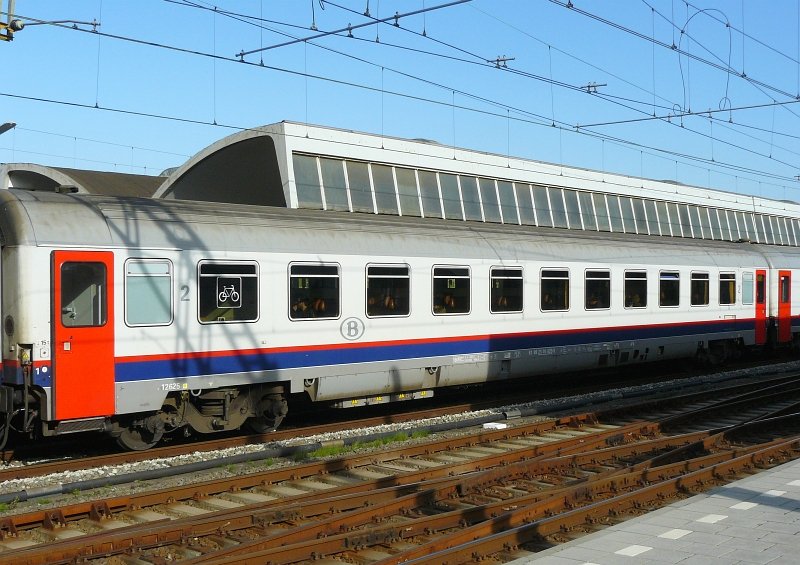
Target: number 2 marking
column 185, row 295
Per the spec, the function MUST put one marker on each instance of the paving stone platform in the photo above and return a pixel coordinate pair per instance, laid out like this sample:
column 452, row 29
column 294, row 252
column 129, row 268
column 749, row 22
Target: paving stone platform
column 752, row 521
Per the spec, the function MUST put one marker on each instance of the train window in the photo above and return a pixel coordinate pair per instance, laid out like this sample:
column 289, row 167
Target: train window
column 573, row 210
column 614, row 214
column 784, row 288
column 507, row 203
column 360, row 188
column 761, row 289
column 727, row 288
column 83, row 294
column 505, row 292
column 669, row 288
column 451, row 197
column 699, row 290
column 227, row 292
column 555, row 289
column 491, row 208
column 385, row 195
column 470, row 198
column 527, row 215
column 429, row 189
column 639, row 215
column 407, row 190
column 557, row 207
column 313, row 291
column 601, row 209
column 652, row 217
column 635, row 289
column 451, row 290
column 543, row 217
column 148, row 292
column 306, row 180
column 598, row 290
column 674, row 220
column 333, row 184
column 587, row 211
column 747, row 288
column 388, row 290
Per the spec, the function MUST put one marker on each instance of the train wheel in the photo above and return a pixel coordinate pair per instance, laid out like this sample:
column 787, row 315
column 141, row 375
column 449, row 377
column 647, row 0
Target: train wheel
column 140, row 434
column 272, row 409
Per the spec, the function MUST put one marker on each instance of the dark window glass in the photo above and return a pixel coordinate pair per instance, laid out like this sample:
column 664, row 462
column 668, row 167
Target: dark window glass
column 699, row 289
column 306, row 179
column 313, row 291
column 228, row 292
column 430, row 194
column 526, row 212
column 450, row 196
column 598, row 290
column 761, row 289
column 727, row 288
column 491, row 209
column 388, row 291
column 557, row 206
column 506, row 290
column 360, row 189
column 333, row 184
column 451, row 290
column 543, row 218
column 507, row 204
column 385, row 196
column 601, row 209
column 785, row 289
column 635, row 289
column 555, row 289
column 83, row 295
column 669, row 288
column 407, row 189
column 469, row 195
column 587, row 211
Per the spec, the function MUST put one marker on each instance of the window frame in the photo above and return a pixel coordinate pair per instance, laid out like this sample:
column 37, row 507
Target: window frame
column 291, row 301
column 663, row 277
column 727, row 277
column 170, row 275
column 406, row 299
column 700, row 276
column 256, row 275
column 506, row 276
column 545, row 288
column 466, row 274
column 628, row 278
column 594, row 275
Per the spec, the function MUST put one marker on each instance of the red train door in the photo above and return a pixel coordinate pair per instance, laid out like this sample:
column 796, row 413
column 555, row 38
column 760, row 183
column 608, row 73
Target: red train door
column 83, row 334
column 761, row 307
column 784, row 306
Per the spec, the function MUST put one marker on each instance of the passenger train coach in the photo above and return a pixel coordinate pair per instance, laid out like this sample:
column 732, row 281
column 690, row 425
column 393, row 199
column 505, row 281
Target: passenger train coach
column 139, row 317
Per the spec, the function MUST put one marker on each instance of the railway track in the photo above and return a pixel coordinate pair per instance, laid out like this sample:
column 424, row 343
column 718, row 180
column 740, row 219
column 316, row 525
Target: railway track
column 45, row 467
column 495, row 494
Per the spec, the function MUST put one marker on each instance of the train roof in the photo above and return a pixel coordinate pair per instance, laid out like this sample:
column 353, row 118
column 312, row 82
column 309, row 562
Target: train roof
column 65, row 220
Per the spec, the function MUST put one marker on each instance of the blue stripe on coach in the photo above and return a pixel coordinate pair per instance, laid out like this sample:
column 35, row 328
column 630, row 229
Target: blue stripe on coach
column 232, row 362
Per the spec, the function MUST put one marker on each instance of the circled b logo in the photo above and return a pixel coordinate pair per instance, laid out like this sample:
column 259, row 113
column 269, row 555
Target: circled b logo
column 352, row 329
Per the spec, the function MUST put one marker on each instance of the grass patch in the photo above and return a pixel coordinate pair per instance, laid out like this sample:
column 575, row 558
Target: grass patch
column 335, row 450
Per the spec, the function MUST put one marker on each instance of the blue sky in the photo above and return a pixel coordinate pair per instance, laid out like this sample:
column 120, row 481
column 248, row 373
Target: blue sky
column 146, row 93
